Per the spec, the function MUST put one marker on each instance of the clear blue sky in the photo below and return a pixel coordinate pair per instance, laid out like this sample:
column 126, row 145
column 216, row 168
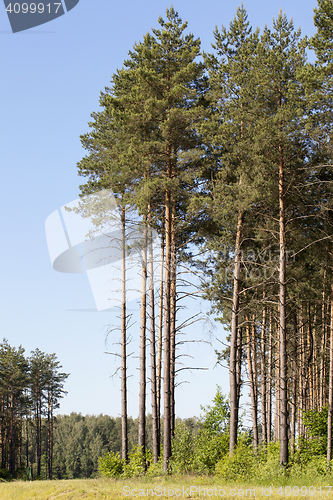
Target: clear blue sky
column 51, row 77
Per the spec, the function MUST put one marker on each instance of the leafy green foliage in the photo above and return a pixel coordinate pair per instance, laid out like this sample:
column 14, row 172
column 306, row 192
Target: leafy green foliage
column 200, row 451
column 111, row 465
column 264, row 465
column 315, row 422
column 209, row 448
column 216, row 418
column 238, row 467
column 137, row 464
column 183, row 449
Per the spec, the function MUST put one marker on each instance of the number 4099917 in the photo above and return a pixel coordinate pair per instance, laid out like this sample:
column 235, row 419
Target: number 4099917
column 33, row 8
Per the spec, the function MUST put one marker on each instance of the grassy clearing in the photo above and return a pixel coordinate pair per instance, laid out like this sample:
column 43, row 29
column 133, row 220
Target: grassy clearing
column 160, row 487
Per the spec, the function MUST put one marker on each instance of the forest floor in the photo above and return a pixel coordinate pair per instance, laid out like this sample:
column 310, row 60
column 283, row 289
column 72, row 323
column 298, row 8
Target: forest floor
column 160, row 487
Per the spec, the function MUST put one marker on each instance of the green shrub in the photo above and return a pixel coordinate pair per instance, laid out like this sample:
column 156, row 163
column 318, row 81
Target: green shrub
column 216, row 418
column 267, row 461
column 201, row 452
column 5, row 475
column 209, row 448
column 311, row 467
column 111, row 465
column 315, row 422
column 212, row 441
column 182, row 450
column 241, row 466
column 137, row 464
column 155, row 470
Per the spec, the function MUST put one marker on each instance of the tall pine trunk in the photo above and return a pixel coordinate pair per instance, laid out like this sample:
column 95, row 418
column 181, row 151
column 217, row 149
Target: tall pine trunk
column 47, row 444
column 323, row 345
column 263, row 375
column 294, row 389
column 167, row 324
column 234, row 410
column 155, row 416
column 124, row 438
column 142, row 395
column 51, row 441
column 330, row 388
column 269, row 378
column 301, row 364
column 250, row 344
column 310, row 360
column 277, row 388
column 173, row 322
column 283, row 410
column 11, row 441
column 160, row 341
column 38, row 426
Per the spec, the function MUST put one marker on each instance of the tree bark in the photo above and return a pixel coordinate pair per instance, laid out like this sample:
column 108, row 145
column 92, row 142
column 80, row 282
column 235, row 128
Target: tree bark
column 51, row 445
column 301, row 364
column 277, row 389
column 269, row 379
column 263, row 375
column 143, row 309
column 330, row 388
column 155, row 416
column 239, row 364
column 284, row 428
column 234, row 409
column 160, row 342
column 323, row 345
column 250, row 344
column 167, row 325
column 294, row 389
column 173, row 322
column 124, row 439
column 310, row 360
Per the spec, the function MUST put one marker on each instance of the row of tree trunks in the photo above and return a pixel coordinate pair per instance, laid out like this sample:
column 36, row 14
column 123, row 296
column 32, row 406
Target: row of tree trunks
column 307, row 389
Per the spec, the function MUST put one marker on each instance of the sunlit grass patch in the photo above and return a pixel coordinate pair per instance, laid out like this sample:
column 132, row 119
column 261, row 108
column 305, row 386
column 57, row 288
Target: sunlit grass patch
column 188, row 486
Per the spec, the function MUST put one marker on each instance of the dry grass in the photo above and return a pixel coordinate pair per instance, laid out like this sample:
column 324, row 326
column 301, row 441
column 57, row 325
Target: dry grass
column 161, row 487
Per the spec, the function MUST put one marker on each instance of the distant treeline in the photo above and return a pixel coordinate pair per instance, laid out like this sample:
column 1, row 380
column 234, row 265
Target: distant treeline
column 30, row 389
column 80, row 440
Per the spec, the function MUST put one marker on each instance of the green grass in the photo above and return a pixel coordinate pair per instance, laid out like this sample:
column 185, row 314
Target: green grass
column 162, row 487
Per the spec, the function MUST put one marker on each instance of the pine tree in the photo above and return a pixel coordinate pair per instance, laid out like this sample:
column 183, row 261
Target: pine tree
column 109, row 168
column 175, row 81
column 14, row 403
column 153, row 107
column 230, row 133
column 287, row 150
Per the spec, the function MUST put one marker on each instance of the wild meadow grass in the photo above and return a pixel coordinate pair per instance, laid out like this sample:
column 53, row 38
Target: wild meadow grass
column 161, row 487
